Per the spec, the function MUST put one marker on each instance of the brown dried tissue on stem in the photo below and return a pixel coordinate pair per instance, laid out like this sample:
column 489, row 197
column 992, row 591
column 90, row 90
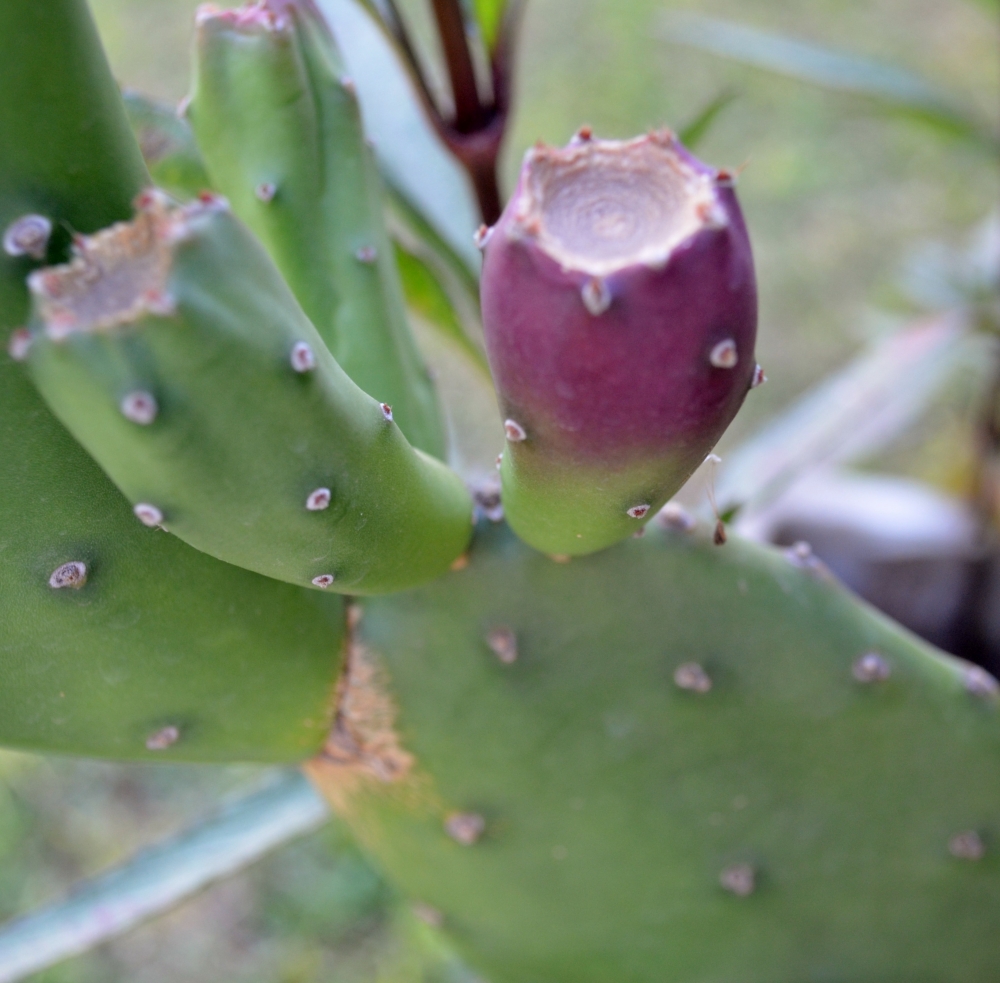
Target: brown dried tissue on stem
column 363, row 747
column 119, row 274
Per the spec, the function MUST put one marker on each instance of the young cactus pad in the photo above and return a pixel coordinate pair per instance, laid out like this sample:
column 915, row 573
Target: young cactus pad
column 279, row 126
column 620, row 311
column 670, row 762
column 172, row 349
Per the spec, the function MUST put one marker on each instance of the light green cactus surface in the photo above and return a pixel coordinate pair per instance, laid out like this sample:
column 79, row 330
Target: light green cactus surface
column 671, row 761
column 280, row 128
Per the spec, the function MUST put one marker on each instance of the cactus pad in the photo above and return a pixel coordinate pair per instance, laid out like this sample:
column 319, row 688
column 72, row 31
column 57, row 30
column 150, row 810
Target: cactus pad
column 174, row 352
column 673, row 762
column 119, row 641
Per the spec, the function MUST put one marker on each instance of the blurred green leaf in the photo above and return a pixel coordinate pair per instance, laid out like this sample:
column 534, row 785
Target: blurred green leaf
column 895, row 89
column 694, row 131
column 161, row 877
column 428, row 298
column 489, row 15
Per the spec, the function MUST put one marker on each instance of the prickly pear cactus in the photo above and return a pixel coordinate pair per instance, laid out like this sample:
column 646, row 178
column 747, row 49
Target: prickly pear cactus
column 672, row 762
column 587, row 754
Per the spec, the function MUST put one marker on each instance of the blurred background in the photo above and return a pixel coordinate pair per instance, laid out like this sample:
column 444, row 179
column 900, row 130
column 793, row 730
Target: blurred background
column 844, row 204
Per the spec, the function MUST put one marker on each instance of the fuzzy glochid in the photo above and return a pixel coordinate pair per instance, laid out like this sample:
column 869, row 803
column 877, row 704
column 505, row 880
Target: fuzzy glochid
column 620, row 313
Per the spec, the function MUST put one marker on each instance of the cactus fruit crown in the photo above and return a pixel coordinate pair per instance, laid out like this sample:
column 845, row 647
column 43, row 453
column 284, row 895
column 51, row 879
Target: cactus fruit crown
column 598, row 206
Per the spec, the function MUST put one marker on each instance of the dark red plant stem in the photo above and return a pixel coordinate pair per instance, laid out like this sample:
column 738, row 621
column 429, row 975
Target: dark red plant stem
column 397, row 26
column 461, row 71
column 484, row 181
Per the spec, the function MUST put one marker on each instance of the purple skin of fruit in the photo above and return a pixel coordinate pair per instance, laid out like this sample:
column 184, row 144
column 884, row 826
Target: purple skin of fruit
column 620, row 313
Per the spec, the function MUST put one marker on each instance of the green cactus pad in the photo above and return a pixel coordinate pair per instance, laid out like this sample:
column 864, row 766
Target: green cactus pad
column 279, row 125
column 158, row 636
column 673, row 762
column 174, row 352
column 65, row 148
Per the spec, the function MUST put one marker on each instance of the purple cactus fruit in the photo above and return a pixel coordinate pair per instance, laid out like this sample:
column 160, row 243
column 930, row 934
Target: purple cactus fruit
column 620, row 312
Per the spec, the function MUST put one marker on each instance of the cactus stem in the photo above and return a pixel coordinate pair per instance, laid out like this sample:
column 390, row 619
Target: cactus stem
column 724, row 355
column 674, row 516
column 514, row 431
column 871, row 668
column 386, row 411
column 758, row 377
column 139, row 407
column 503, row 643
column 19, row 344
column 978, row 682
column 366, row 255
column 303, row 358
column 323, row 581
column 163, row 738
column 319, row 500
column 637, row 511
column 596, row 296
column 27, row 236
column 72, row 574
column 967, row 845
column 148, row 515
column 739, row 879
column 465, row 827
column 265, row 191
column 691, row 676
